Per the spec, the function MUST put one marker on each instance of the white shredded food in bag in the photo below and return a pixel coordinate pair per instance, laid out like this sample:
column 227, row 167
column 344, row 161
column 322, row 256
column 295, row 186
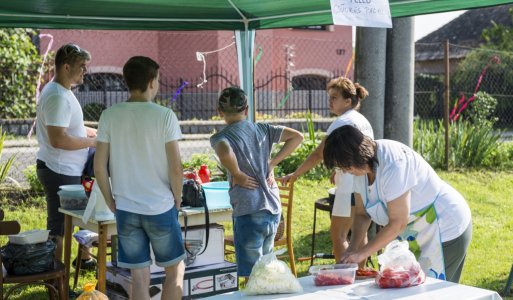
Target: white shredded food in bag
column 271, row 276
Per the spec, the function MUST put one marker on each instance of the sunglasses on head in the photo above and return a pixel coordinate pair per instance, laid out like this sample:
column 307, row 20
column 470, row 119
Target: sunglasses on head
column 71, row 49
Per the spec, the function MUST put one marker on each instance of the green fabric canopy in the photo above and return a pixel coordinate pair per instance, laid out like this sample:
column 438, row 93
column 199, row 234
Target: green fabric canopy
column 196, row 14
column 243, row 16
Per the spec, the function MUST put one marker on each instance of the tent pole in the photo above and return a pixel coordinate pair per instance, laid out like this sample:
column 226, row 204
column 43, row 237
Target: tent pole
column 245, row 41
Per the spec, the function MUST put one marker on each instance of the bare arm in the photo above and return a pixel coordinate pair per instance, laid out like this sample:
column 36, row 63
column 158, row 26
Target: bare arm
column 59, row 138
column 292, row 139
column 311, row 161
column 91, row 132
column 361, row 223
column 398, row 214
column 175, row 171
column 101, row 160
column 229, row 161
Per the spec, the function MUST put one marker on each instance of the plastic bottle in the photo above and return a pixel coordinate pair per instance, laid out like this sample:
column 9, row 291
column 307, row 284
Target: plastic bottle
column 204, row 174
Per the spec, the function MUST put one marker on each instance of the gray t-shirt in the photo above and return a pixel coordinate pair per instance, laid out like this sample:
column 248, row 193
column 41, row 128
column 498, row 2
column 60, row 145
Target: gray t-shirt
column 252, row 145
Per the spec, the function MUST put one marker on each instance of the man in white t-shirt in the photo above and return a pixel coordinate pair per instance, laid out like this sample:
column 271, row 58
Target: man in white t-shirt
column 138, row 147
column 63, row 139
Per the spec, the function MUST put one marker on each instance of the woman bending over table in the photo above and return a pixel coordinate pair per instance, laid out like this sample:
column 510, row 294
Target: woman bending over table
column 396, row 188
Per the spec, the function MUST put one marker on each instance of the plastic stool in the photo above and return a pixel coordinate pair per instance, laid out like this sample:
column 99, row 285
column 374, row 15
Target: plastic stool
column 324, row 205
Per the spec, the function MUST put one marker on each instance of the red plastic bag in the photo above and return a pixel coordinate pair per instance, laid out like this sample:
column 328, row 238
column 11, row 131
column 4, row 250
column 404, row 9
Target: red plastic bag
column 399, row 268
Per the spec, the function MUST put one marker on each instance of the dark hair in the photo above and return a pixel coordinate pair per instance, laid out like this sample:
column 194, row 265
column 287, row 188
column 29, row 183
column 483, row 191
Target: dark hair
column 348, row 89
column 138, row 71
column 348, row 147
column 232, row 100
column 70, row 54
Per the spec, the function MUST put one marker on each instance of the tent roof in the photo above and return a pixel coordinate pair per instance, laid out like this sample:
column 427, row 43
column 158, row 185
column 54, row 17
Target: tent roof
column 197, row 14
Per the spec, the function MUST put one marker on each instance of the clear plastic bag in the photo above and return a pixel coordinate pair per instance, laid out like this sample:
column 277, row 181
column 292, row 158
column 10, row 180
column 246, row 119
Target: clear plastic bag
column 398, row 267
column 91, row 294
column 271, row 276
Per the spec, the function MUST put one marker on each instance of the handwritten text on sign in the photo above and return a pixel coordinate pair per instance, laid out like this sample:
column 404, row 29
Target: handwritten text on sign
column 366, row 13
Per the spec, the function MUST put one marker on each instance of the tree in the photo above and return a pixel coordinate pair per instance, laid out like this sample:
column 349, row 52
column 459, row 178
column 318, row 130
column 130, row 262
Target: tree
column 18, row 73
column 499, row 36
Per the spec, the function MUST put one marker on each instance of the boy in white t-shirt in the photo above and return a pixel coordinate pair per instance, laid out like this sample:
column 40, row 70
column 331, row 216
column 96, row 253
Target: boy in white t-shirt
column 138, row 147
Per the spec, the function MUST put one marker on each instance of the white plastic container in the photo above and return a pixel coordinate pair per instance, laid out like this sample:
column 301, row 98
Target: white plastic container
column 29, row 237
column 72, row 188
column 216, row 194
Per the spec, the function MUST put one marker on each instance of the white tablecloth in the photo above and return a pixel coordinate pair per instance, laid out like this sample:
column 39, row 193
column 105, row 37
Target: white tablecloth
column 432, row 289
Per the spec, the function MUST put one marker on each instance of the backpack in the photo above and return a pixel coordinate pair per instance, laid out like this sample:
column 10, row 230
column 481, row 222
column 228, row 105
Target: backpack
column 193, row 194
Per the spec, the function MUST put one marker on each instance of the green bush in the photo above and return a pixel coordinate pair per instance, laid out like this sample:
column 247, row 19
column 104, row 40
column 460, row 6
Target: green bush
column 294, row 160
column 93, row 111
column 18, row 79
column 217, row 171
column 481, row 110
column 429, row 141
column 31, row 176
column 501, row 157
column 470, row 145
column 4, row 167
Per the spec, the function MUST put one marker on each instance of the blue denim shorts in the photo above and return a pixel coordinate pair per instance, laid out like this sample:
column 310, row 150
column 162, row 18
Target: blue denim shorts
column 136, row 232
column 253, row 237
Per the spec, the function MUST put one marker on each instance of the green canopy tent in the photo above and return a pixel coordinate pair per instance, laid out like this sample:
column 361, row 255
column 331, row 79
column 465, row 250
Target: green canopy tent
column 243, row 16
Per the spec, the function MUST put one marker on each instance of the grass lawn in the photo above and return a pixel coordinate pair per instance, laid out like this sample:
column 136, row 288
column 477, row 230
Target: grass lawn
column 489, row 258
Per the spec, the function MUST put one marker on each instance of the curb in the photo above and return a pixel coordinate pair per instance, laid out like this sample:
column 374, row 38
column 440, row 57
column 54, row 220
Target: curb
column 32, row 142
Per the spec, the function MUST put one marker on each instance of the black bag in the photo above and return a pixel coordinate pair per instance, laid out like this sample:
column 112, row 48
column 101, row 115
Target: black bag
column 28, row 259
column 193, row 194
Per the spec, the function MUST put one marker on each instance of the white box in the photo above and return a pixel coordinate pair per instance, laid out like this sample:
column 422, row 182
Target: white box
column 214, row 253
column 29, row 237
column 198, row 282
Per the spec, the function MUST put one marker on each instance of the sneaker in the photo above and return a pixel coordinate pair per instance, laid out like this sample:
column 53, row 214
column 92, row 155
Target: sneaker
column 85, row 264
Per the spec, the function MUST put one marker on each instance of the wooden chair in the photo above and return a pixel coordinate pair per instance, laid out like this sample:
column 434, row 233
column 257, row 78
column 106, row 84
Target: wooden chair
column 57, row 275
column 286, row 197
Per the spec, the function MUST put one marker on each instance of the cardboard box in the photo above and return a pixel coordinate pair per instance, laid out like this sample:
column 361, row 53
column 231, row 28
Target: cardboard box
column 199, row 282
column 214, row 253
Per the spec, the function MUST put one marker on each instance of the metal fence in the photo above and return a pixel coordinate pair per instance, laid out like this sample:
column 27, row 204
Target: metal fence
column 472, row 70
column 291, row 73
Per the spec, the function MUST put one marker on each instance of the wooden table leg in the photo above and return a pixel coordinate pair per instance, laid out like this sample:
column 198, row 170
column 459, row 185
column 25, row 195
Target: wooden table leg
column 67, row 250
column 102, row 258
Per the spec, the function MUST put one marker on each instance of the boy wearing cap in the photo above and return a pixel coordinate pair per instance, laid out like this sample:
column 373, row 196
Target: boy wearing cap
column 244, row 149
column 138, row 146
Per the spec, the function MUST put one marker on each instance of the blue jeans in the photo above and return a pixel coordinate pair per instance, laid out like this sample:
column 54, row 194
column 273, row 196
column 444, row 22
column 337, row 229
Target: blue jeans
column 253, row 236
column 136, row 232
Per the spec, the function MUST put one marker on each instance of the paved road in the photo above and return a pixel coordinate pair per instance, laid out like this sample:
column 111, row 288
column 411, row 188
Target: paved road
column 26, row 154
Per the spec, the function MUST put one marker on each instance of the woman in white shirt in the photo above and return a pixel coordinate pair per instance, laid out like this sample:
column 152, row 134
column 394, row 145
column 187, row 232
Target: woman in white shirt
column 399, row 190
column 344, row 101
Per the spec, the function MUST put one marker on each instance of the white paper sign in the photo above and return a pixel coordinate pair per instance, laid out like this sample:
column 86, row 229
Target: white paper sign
column 365, row 13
